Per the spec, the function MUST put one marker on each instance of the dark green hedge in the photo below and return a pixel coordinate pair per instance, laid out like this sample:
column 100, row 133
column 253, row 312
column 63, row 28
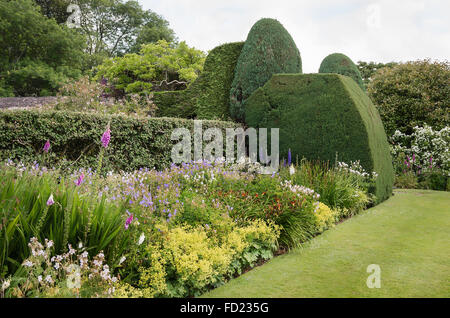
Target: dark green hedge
column 208, row 96
column 269, row 49
column 341, row 64
column 75, row 137
column 320, row 115
column 177, row 104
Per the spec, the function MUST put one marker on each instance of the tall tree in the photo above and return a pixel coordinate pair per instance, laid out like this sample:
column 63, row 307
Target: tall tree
column 36, row 54
column 116, row 27
column 56, row 9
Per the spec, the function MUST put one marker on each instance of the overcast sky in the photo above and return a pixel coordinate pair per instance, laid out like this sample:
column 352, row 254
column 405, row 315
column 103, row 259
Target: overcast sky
column 380, row 31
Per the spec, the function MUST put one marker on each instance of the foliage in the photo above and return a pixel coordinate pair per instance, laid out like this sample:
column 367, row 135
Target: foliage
column 157, row 66
column 412, row 94
column 321, row 115
column 341, row 64
column 71, row 274
column 424, row 149
column 422, row 160
column 344, row 187
column 36, row 54
column 325, row 217
column 55, row 9
column 75, row 138
column 178, row 232
column 117, row 27
column 188, row 261
column 74, row 217
column 88, row 96
column 368, row 70
column 208, row 96
column 269, row 49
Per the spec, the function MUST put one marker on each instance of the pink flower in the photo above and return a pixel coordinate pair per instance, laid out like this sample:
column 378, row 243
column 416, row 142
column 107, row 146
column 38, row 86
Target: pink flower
column 80, row 179
column 106, row 138
column 46, row 146
column 50, row 200
column 129, row 220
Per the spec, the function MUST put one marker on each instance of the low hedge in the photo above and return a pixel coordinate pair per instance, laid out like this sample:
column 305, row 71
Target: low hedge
column 321, row 115
column 76, row 138
column 208, row 96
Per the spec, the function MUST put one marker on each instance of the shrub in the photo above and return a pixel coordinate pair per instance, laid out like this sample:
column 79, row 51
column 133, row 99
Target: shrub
column 321, row 115
column 75, row 138
column 424, row 150
column 341, row 64
column 208, row 96
column 158, row 66
column 85, row 95
column 325, row 217
column 412, row 94
column 269, row 49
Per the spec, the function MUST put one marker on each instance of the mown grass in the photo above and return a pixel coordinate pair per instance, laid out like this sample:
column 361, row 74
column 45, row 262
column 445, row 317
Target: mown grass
column 407, row 236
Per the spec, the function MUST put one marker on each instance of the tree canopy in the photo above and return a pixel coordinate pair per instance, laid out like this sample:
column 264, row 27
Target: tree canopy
column 36, row 54
column 158, row 66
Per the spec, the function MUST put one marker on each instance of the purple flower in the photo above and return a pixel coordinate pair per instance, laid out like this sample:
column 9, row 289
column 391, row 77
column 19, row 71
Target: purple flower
column 50, row 200
column 414, row 157
column 46, row 146
column 289, row 157
column 80, row 179
column 129, row 220
column 106, row 138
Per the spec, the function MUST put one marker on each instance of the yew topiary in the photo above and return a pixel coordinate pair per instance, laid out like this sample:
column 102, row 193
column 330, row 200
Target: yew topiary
column 321, row 115
column 269, row 49
column 341, row 64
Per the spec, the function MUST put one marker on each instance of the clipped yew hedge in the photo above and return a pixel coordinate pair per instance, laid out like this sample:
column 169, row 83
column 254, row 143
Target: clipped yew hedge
column 76, row 138
column 321, row 115
column 208, row 96
column 269, row 49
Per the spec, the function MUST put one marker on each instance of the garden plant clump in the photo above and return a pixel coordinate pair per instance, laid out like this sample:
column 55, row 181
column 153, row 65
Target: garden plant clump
column 422, row 159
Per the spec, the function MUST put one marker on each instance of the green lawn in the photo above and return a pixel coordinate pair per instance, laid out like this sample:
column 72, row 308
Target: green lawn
column 408, row 236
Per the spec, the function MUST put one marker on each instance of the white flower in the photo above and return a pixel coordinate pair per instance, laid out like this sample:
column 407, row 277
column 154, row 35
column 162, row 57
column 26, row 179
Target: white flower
column 40, row 278
column 5, row 285
column 141, row 239
column 123, row 258
column 49, row 244
column 56, row 266
column 292, row 170
column 49, row 279
column 80, row 245
column 28, row 264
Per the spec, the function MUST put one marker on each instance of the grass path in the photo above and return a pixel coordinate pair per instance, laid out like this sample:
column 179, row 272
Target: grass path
column 408, row 236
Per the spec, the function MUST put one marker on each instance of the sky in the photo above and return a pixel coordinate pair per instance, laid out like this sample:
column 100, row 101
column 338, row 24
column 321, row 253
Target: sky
column 364, row 30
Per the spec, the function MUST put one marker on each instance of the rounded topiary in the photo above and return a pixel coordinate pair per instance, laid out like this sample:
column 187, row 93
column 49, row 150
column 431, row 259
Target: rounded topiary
column 341, row 64
column 269, row 49
column 321, row 116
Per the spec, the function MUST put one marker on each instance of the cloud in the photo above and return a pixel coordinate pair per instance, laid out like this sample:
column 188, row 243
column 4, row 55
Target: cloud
column 379, row 30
